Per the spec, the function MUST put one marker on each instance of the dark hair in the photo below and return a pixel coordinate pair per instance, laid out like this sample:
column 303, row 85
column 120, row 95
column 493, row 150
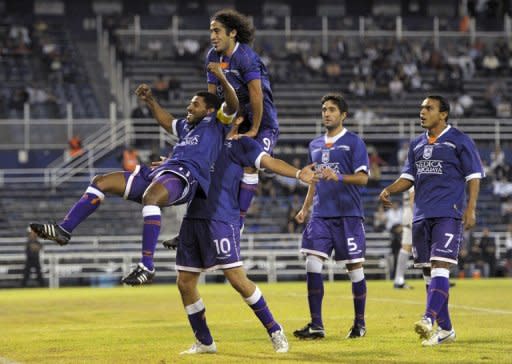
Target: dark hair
column 444, row 106
column 211, row 100
column 233, row 20
column 338, row 100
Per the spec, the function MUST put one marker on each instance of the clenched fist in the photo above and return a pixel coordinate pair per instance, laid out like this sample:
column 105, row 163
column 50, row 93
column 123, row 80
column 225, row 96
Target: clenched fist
column 143, row 92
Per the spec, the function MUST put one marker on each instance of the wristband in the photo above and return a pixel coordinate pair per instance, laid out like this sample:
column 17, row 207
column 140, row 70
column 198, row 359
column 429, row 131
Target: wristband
column 340, row 177
column 297, row 174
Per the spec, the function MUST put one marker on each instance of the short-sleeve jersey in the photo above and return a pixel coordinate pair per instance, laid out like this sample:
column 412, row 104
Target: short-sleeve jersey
column 440, row 171
column 243, row 66
column 198, row 146
column 345, row 153
column 222, row 202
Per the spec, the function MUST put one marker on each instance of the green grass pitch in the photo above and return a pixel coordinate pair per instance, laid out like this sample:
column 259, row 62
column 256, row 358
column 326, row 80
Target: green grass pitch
column 148, row 325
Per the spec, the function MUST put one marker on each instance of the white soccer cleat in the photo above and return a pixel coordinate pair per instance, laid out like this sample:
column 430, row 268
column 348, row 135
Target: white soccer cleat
column 200, row 348
column 423, row 328
column 440, row 337
column 279, row 341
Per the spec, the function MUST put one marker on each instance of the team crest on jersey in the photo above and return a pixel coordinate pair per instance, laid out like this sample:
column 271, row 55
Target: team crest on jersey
column 427, row 151
column 325, row 156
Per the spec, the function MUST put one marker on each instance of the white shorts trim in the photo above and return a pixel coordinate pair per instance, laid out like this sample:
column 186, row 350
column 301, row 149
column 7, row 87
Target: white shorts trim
column 130, row 181
column 188, row 269
column 421, row 265
column 442, row 259
column 209, row 269
column 251, row 178
column 314, row 252
column 351, row 261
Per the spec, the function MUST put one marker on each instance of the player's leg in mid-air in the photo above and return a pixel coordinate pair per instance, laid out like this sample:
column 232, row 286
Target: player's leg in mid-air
column 112, row 183
column 166, row 189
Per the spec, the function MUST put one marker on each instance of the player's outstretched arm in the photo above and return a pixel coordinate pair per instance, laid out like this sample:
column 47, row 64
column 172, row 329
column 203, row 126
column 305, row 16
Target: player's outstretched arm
column 230, row 97
column 469, row 217
column 161, row 115
column 306, row 174
column 400, row 185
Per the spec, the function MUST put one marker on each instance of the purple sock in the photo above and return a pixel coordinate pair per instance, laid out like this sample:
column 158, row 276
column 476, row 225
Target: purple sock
column 359, row 295
column 197, row 318
column 438, row 293
column 315, row 283
column 248, row 188
column 443, row 319
column 150, row 234
column 89, row 202
column 261, row 310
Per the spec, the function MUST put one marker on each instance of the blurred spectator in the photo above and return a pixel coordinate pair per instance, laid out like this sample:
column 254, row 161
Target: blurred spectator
column 17, row 101
column 293, row 208
column 488, row 253
column 467, row 103
column 379, row 219
column 130, row 159
column 498, row 164
column 506, row 210
column 375, row 163
column 490, row 64
column 175, row 89
column 456, row 108
column 154, row 48
column 75, row 147
column 365, row 116
column 508, row 252
column 32, row 249
column 393, row 217
column 396, row 89
column 160, row 88
column 141, row 111
column 401, row 155
column 315, row 64
column 502, row 188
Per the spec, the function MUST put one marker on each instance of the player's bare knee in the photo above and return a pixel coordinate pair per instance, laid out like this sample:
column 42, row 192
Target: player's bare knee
column 185, row 284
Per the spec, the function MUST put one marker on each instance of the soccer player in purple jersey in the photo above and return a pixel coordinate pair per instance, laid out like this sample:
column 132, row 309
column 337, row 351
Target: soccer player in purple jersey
column 184, row 174
column 210, row 239
column 442, row 164
column 337, row 218
column 230, row 35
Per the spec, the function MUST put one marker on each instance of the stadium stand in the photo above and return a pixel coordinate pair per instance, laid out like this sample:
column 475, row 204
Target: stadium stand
column 360, row 56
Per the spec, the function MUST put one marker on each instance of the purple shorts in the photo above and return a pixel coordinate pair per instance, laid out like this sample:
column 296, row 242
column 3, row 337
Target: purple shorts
column 344, row 235
column 267, row 138
column 436, row 239
column 139, row 180
column 206, row 245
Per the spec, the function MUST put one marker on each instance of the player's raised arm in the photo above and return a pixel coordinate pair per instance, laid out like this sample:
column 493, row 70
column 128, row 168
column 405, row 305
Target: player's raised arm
column 161, row 115
column 231, row 100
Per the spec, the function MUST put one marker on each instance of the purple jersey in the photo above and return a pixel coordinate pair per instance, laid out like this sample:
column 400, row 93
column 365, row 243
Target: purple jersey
column 243, row 66
column 440, row 172
column 345, row 153
column 222, row 202
column 197, row 148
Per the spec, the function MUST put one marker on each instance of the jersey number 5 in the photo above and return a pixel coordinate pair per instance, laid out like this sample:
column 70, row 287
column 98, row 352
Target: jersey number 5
column 351, row 245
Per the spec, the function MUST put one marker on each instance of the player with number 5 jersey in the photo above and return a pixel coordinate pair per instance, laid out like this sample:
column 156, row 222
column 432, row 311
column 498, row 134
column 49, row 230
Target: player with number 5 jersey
column 336, row 223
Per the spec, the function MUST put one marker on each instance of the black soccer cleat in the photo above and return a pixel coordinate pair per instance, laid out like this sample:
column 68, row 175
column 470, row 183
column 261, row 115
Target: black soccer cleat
column 51, row 232
column 355, row 332
column 310, row 332
column 139, row 276
column 172, row 243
